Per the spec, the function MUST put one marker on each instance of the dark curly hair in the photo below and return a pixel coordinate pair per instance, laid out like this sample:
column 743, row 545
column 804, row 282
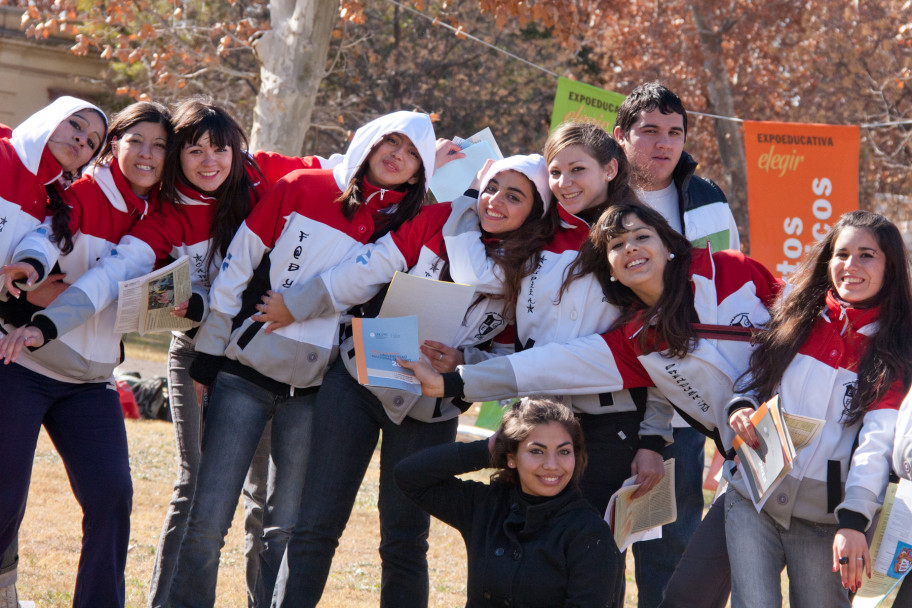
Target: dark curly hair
column 518, row 421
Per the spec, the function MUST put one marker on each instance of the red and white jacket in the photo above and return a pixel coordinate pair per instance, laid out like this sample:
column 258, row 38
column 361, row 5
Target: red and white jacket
column 729, row 289
column 819, row 383
column 179, row 228
column 103, row 209
column 543, row 319
column 297, row 232
column 28, row 166
column 416, row 248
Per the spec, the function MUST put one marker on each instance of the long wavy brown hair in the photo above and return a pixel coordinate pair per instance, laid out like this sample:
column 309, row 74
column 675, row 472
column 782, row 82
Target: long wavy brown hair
column 603, row 148
column 518, row 252
column 888, row 355
column 193, row 118
column 670, row 318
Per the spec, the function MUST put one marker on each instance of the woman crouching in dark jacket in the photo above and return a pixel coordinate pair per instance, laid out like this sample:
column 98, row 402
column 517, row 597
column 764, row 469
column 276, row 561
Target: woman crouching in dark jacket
column 531, row 538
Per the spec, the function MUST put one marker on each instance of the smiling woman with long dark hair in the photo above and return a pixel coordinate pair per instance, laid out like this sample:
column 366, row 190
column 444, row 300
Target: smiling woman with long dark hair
column 532, row 539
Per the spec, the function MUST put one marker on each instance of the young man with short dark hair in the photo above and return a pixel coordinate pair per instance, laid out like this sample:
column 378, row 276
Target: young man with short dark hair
column 651, row 127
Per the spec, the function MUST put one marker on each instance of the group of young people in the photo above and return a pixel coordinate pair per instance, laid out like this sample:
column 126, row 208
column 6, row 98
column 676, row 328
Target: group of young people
column 608, row 274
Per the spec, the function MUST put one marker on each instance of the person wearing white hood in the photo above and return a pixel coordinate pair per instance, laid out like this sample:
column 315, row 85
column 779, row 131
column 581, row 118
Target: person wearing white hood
column 517, row 217
column 39, row 158
column 310, row 221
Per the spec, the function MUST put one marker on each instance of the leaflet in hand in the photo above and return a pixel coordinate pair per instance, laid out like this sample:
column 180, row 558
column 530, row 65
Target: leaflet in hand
column 764, row 468
column 891, row 547
column 439, row 305
column 636, row 519
column 454, row 178
column 144, row 304
column 377, row 344
column 803, row 430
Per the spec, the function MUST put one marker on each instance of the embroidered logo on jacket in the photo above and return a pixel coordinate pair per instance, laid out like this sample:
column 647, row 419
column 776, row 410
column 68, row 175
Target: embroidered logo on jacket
column 742, row 319
column 491, row 322
column 848, row 397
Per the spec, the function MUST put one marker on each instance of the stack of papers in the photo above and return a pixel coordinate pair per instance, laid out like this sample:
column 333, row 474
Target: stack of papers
column 415, row 310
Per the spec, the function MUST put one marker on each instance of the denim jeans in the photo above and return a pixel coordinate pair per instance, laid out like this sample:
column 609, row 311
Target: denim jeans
column 254, row 495
column 186, row 414
column 656, row 559
column 705, row 560
column 348, row 420
column 85, row 422
column 759, row 548
column 237, row 415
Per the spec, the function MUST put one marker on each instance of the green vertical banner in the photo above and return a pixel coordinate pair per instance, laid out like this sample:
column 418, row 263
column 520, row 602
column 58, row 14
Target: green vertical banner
column 580, row 101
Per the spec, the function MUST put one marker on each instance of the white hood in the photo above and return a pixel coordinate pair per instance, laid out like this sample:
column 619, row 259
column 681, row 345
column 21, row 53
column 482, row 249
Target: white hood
column 415, row 125
column 531, row 165
column 30, row 137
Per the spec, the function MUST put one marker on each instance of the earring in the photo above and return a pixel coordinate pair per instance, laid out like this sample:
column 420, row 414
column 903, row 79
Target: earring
column 613, row 279
column 671, row 256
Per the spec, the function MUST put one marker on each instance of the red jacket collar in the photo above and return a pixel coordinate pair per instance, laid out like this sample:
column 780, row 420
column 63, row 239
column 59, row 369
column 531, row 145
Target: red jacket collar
column 571, row 220
column 133, row 201
column 376, row 199
column 701, row 263
column 48, row 168
column 837, row 310
column 194, row 195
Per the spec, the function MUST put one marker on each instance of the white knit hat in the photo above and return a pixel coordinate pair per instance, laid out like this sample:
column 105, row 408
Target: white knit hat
column 532, row 166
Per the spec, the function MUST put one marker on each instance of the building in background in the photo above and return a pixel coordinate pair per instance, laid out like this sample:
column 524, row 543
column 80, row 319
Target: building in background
column 34, row 72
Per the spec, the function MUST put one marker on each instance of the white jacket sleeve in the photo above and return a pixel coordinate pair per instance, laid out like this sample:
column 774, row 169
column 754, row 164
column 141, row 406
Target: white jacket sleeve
column 97, row 288
column 902, row 443
column 583, row 366
column 657, row 417
column 37, row 246
column 244, row 254
column 469, row 262
column 869, row 471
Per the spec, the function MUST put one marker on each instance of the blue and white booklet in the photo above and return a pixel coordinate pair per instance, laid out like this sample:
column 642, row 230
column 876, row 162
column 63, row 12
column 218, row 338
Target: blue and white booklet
column 377, row 344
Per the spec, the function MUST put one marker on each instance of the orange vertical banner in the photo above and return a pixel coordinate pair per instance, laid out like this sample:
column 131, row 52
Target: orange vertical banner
column 800, row 179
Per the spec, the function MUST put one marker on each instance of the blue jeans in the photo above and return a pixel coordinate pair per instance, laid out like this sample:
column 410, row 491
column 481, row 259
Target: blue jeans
column 186, row 414
column 656, row 559
column 237, row 415
column 759, row 548
column 85, row 422
column 348, row 421
column 254, row 496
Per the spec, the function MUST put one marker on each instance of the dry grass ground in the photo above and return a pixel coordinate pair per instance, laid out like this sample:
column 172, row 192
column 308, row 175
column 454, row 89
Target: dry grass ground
column 50, row 536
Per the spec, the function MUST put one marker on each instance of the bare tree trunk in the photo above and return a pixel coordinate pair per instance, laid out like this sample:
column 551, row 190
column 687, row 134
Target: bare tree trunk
column 728, row 133
column 292, row 58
